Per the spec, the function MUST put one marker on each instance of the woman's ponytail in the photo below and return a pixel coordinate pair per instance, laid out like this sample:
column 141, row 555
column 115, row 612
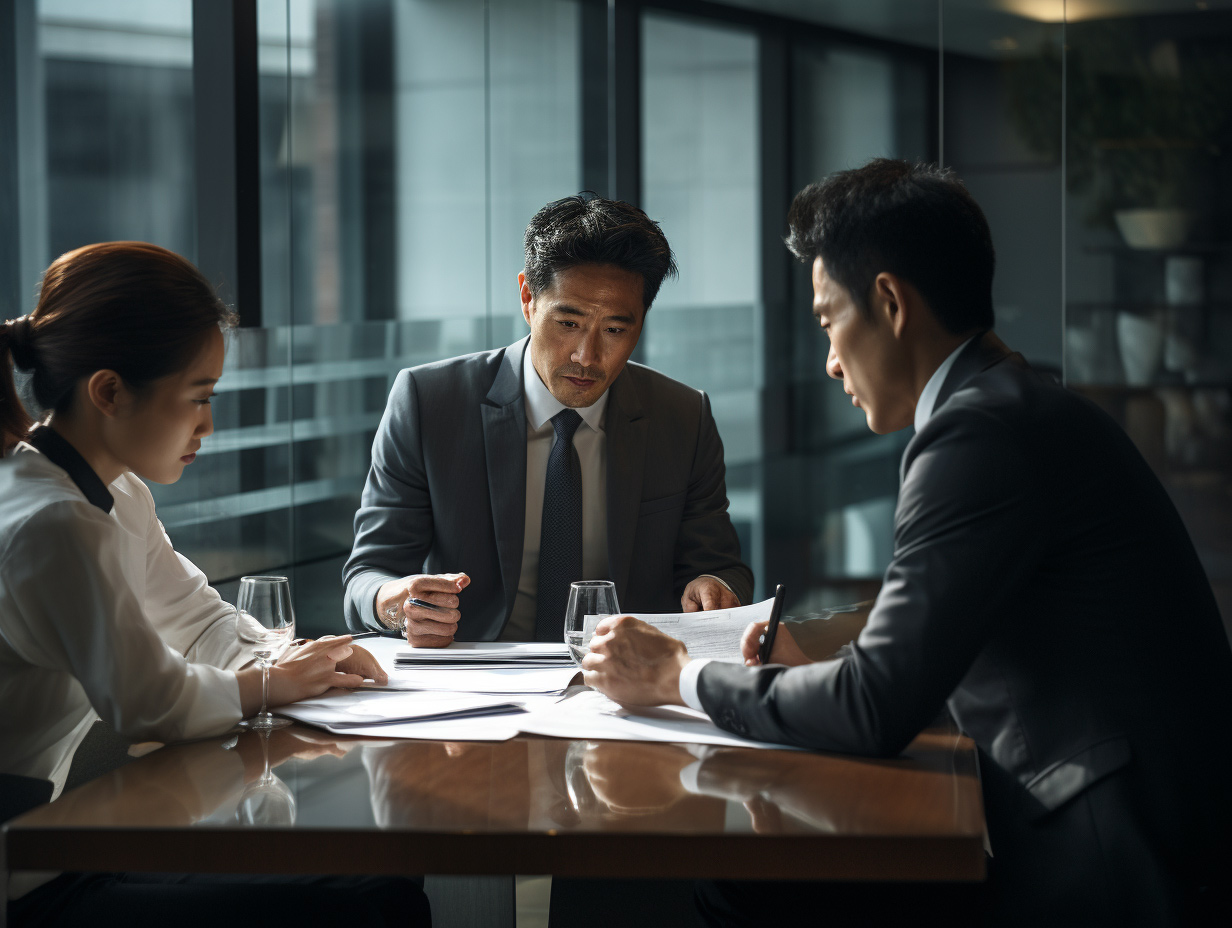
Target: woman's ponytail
column 16, row 350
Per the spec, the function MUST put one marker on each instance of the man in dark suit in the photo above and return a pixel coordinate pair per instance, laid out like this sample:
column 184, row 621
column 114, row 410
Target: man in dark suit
column 1042, row 583
column 549, row 461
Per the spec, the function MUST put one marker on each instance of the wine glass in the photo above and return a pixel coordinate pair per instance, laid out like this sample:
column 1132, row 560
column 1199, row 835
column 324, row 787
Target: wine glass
column 268, row 800
column 587, row 597
column 265, row 620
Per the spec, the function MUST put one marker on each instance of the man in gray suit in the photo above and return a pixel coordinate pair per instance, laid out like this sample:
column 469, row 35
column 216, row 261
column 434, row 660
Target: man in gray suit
column 509, row 474
column 1042, row 586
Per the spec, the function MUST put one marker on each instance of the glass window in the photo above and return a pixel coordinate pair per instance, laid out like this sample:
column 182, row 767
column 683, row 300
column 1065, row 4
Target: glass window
column 701, row 183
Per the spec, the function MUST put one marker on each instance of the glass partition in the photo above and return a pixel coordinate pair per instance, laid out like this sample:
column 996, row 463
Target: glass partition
column 700, row 182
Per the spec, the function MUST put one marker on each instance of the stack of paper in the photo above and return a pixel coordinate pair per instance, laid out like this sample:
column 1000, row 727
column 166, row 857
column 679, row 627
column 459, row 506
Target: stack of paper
column 490, row 655
column 358, row 709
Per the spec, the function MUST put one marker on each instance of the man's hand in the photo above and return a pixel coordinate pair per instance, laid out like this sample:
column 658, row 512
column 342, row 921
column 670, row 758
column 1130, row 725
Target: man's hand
column 706, row 593
column 634, row 663
column 425, row 628
column 785, row 650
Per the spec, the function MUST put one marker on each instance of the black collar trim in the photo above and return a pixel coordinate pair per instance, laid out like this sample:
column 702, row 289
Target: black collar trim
column 56, row 449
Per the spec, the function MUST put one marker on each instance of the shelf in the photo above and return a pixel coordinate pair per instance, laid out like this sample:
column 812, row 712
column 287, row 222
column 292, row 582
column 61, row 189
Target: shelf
column 1147, row 305
column 1150, row 388
column 1191, row 248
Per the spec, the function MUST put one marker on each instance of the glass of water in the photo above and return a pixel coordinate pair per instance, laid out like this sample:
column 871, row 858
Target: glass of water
column 595, row 598
column 265, row 621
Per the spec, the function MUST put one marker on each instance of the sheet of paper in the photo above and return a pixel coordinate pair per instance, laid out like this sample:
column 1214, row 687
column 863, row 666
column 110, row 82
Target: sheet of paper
column 483, row 728
column 483, row 651
column 359, row 707
column 473, row 728
column 591, row 715
column 715, row 634
column 511, row 681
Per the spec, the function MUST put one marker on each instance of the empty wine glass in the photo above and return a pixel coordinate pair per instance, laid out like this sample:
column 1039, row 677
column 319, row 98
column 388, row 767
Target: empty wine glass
column 265, row 620
column 267, row 801
column 587, row 597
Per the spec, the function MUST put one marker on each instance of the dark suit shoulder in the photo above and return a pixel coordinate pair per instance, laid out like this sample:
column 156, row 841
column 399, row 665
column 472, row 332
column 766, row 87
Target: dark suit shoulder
column 654, row 387
column 450, row 373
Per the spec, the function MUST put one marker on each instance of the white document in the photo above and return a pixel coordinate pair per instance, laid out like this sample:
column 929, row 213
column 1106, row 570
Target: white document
column 361, row 708
column 510, row 681
column 591, row 715
column 480, row 652
column 715, row 634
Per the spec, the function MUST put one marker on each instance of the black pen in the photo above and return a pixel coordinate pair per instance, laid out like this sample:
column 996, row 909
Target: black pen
column 300, row 642
column 423, row 604
column 772, row 628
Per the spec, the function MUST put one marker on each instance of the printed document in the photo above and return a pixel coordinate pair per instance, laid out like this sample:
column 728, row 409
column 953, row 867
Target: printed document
column 715, row 634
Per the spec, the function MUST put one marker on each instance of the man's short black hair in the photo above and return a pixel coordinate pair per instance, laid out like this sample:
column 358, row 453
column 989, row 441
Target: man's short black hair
column 588, row 229
column 916, row 221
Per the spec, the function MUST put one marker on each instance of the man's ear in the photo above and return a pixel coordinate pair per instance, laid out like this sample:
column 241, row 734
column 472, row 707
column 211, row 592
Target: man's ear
column 526, row 296
column 893, row 299
column 106, row 392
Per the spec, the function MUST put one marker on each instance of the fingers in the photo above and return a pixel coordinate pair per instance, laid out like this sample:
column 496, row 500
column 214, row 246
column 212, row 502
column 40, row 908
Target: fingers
column 323, row 645
column 438, row 583
column 344, row 680
column 689, row 603
column 447, row 600
column 710, row 597
column 363, row 663
column 750, row 644
column 427, row 641
column 611, row 623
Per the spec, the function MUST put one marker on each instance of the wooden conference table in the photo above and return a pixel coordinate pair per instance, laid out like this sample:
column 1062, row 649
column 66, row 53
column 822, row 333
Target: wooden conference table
column 531, row 805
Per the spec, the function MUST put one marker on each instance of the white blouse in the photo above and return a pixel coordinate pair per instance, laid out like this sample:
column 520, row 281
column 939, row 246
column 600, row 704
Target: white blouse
column 100, row 617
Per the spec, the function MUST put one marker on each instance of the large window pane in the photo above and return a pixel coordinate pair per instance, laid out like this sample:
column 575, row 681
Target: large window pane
column 851, row 104
column 700, row 181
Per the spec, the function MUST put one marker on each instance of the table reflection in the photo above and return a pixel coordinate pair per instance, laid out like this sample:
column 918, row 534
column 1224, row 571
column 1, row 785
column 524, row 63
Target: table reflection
column 309, row 779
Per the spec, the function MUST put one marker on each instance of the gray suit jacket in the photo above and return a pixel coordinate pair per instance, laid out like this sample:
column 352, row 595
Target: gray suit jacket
column 1044, row 585
column 447, row 490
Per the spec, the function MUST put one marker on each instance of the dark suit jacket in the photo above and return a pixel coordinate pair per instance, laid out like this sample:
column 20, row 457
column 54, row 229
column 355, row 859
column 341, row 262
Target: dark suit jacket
column 1043, row 583
column 447, row 490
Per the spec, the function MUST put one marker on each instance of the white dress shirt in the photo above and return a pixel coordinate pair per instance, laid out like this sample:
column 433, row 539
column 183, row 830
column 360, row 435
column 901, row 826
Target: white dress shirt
column 923, row 412
column 590, row 442
column 100, row 617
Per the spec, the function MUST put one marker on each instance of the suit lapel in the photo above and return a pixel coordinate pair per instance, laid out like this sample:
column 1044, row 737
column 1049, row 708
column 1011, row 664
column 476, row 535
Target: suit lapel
column 626, row 459
column 504, row 441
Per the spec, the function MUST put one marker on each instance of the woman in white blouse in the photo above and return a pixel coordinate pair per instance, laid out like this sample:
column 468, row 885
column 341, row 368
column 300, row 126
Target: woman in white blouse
column 99, row 616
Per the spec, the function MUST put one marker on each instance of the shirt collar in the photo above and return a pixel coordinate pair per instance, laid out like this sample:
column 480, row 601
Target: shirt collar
column 928, row 399
column 541, row 405
column 53, row 446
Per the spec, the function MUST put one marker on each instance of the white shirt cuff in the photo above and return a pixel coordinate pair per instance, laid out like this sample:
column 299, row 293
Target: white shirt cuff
column 688, row 683
column 721, row 581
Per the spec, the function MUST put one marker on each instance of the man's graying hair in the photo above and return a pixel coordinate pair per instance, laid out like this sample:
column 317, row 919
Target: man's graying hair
column 588, row 229
column 916, row 221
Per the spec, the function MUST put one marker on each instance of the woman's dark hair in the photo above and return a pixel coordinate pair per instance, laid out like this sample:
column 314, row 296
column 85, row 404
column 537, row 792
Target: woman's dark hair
column 131, row 307
column 587, row 229
column 916, row 221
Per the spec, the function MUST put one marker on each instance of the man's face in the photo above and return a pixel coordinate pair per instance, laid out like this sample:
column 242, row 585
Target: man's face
column 864, row 354
column 583, row 329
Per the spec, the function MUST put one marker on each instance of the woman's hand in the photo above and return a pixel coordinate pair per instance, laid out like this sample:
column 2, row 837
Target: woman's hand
column 362, row 662
column 785, row 650
column 304, row 672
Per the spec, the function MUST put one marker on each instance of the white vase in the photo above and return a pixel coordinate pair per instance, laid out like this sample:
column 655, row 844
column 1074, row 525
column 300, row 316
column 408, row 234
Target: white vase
column 1140, row 337
column 1154, row 228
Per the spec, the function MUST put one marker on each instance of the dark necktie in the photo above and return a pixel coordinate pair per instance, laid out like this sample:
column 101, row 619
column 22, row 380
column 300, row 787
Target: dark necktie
column 560, row 535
